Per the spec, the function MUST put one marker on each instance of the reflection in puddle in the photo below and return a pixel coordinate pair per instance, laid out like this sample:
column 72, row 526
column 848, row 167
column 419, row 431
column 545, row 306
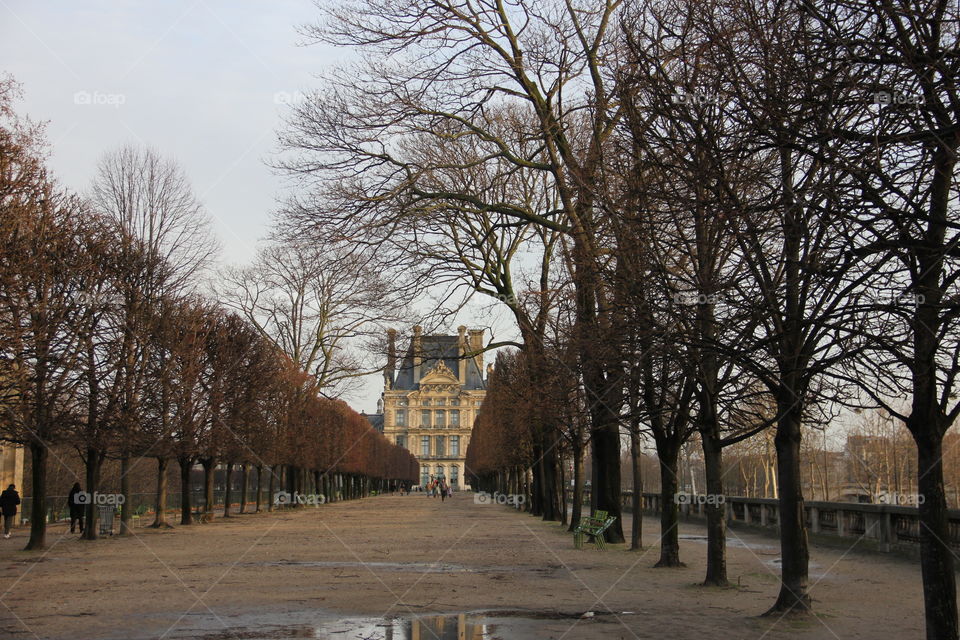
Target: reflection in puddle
column 456, row 626
column 451, row 627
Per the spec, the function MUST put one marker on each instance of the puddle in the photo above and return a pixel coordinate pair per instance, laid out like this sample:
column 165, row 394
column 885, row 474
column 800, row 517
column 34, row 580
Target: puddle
column 776, row 562
column 419, row 567
column 412, row 567
column 732, row 542
column 490, row 625
column 762, row 549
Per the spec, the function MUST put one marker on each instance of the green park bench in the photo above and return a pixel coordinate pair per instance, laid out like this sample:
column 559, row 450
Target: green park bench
column 135, row 517
column 592, row 526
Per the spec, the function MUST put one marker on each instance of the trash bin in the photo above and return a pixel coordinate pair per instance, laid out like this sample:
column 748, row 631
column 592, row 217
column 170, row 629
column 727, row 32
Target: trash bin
column 105, row 517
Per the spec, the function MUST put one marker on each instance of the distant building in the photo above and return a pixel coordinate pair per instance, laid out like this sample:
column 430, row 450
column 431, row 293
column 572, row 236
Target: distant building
column 11, row 470
column 375, row 419
column 431, row 400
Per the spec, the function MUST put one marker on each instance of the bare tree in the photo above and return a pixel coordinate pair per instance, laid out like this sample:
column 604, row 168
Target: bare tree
column 317, row 301
column 43, row 269
column 444, row 68
column 165, row 243
column 42, row 273
column 902, row 154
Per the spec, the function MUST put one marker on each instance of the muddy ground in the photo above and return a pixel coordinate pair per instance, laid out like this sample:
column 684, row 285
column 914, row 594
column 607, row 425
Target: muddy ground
column 387, row 566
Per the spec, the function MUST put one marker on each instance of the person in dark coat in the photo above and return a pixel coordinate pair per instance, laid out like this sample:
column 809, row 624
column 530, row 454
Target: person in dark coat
column 9, row 500
column 77, row 508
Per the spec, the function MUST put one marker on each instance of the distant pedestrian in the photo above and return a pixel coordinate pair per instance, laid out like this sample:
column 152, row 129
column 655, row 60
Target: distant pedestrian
column 76, row 507
column 9, row 500
column 443, row 490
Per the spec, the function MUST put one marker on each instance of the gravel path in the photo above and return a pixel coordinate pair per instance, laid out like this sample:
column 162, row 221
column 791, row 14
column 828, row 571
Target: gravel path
column 385, row 567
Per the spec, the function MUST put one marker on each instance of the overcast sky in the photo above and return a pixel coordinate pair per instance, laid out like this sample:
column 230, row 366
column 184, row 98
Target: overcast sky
column 204, row 82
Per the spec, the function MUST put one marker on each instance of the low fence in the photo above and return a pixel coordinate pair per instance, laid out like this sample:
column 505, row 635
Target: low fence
column 879, row 527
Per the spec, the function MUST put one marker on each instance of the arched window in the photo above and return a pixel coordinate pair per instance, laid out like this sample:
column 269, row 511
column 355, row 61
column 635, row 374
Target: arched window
column 455, row 477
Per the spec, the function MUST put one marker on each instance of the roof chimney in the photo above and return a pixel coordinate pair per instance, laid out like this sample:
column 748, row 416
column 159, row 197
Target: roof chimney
column 389, row 371
column 476, row 348
column 461, row 351
column 417, row 353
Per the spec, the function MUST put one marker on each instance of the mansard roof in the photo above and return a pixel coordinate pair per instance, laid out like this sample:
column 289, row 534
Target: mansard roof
column 435, row 350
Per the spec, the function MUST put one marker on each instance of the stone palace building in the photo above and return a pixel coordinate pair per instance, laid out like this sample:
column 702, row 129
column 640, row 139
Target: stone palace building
column 432, row 398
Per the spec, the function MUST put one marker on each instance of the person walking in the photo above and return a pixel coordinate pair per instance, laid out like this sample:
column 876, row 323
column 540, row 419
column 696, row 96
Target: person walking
column 443, row 490
column 76, row 508
column 9, row 500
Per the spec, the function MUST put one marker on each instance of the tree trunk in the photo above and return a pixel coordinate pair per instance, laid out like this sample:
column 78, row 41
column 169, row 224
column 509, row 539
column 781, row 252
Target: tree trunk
column 549, row 505
column 795, row 555
column 563, row 492
column 160, row 519
column 226, row 490
column 936, row 557
column 127, row 506
column 578, row 486
column 259, row 485
column 243, row 487
column 636, row 530
column 536, row 507
column 186, row 516
column 209, row 465
column 716, row 511
column 605, row 493
column 272, row 487
column 669, row 455
column 38, row 519
column 93, row 466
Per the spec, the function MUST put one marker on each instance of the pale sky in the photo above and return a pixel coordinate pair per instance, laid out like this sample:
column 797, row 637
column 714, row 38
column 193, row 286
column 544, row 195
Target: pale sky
column 204, row 82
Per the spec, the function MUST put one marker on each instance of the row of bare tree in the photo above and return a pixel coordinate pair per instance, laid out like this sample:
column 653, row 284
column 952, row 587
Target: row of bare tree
column 107, row 345
column 735, row 214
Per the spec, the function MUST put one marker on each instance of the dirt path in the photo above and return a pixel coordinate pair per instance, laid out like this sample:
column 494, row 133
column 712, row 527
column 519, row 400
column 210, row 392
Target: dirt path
column 401, row 558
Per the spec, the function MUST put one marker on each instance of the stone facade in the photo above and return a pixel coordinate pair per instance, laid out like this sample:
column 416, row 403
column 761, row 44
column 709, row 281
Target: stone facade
column 11, row 470
column 431, row 400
